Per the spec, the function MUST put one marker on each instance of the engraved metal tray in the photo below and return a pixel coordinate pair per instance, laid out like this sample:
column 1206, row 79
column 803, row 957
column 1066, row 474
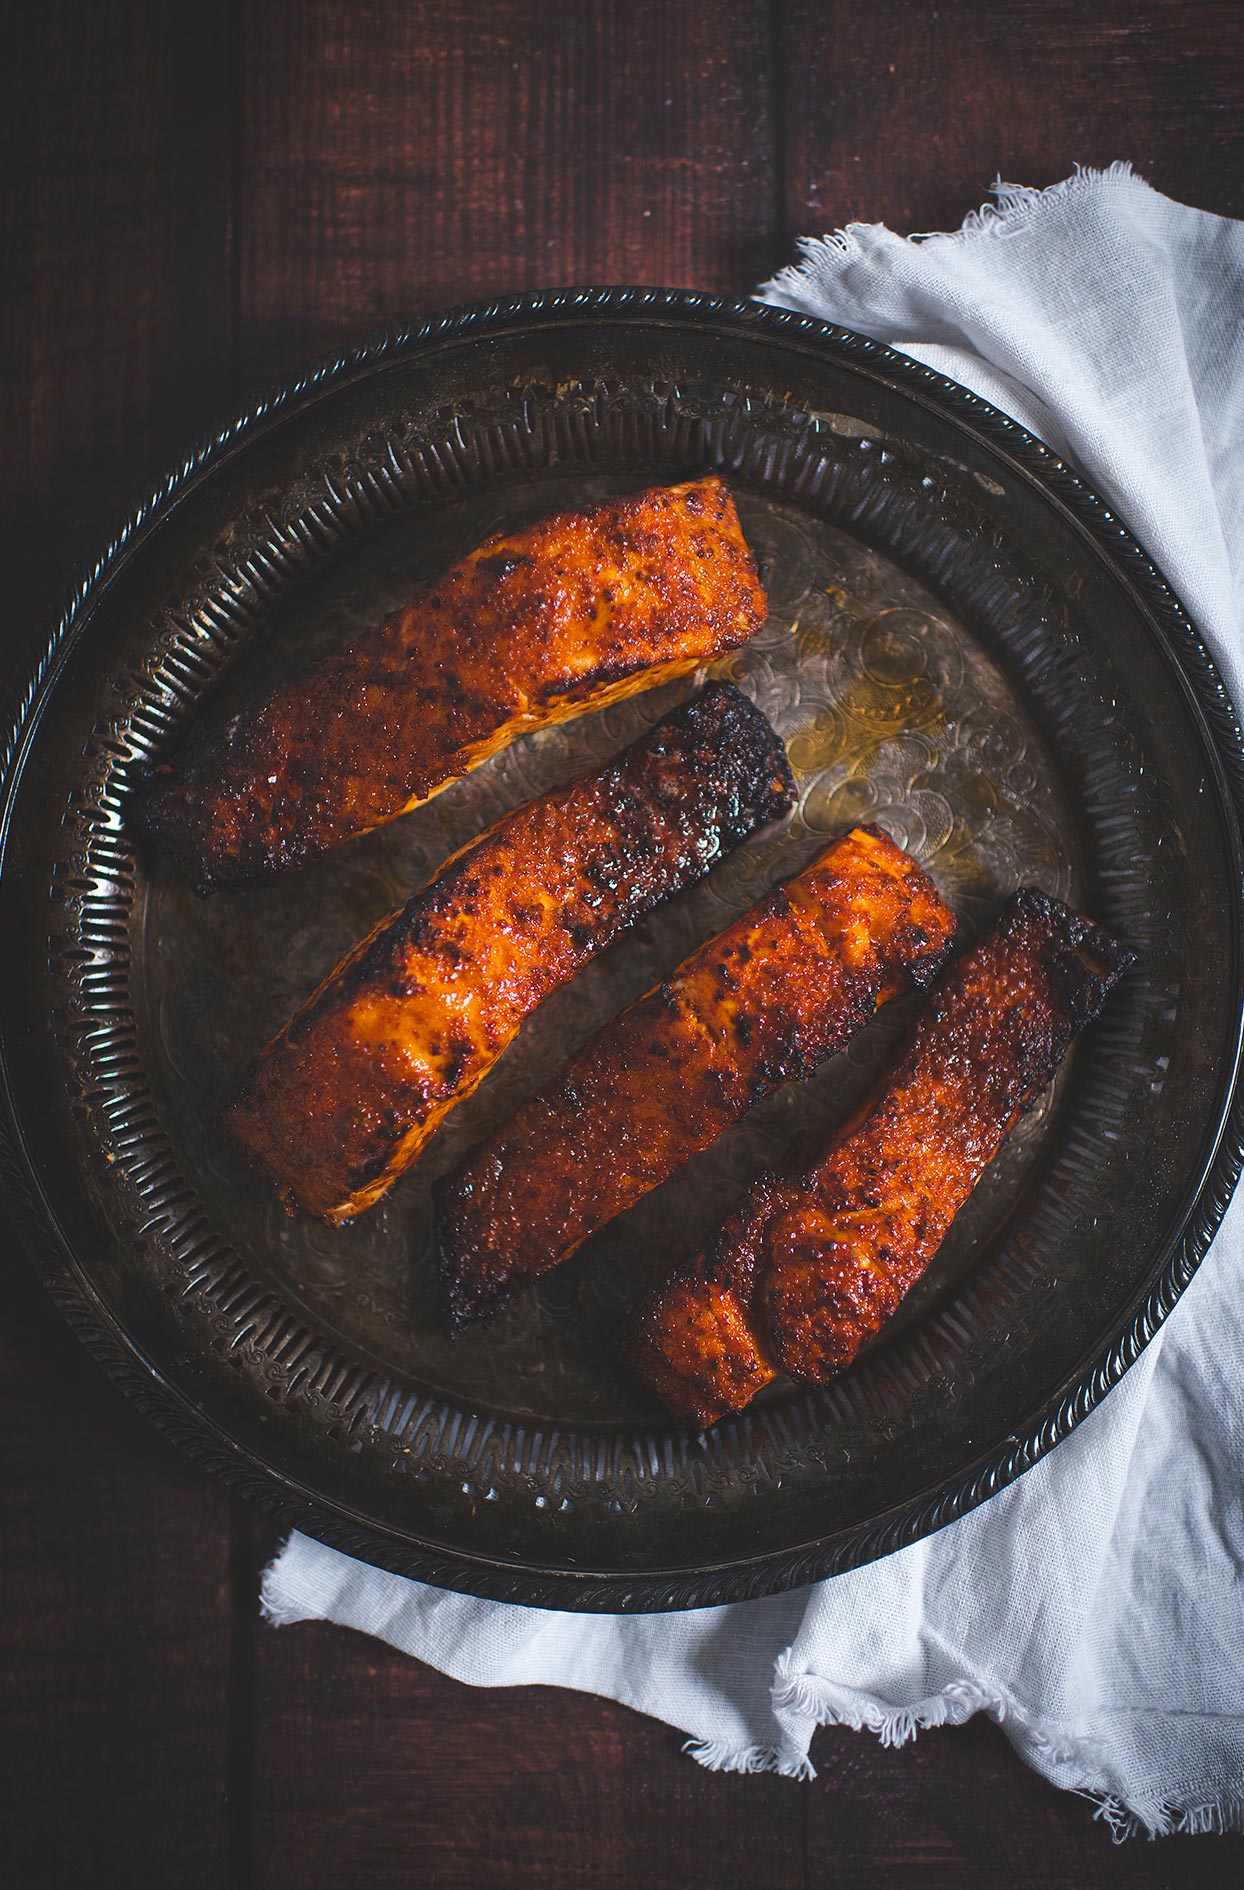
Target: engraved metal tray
column 964, row 646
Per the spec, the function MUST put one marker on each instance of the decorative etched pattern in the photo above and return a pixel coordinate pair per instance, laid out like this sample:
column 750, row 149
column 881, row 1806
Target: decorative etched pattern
column 926, row 676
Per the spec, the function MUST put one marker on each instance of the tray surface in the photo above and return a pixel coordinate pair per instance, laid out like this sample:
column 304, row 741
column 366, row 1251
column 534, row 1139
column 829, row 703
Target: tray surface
column 963, row 646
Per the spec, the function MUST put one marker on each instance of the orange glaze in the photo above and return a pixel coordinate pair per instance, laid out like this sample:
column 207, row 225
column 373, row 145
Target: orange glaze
column 341, row 1103
column 532, row 628
column 765, row 1002
column 812, row 1263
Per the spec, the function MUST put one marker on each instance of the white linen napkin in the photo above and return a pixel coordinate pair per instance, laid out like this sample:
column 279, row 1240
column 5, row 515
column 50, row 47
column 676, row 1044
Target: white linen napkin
column 1095, row 1609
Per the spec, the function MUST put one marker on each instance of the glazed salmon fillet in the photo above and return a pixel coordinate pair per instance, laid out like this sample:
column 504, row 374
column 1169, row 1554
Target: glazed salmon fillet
column 344, row 1099
column 812, row 1263
column 763, row 1003
column 533, row 627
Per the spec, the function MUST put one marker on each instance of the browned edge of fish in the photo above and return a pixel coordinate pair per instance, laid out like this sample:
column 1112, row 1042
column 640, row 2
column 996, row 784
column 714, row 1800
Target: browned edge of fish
column 533, row 627
column 347, row 1095
column 765, row 1002
column 813, row 1261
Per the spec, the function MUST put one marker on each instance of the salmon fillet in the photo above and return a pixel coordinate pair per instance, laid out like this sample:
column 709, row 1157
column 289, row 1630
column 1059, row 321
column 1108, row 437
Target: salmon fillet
column 532, row 628
column 765, row 1002
column 344, row 1099
column 812, row 1263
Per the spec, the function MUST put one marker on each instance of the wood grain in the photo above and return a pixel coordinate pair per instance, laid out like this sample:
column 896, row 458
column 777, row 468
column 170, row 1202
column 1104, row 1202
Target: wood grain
column 115, row 1626
column 956, row 1810
column 114, row 1630
column 905, row 114
column 114, row 222
column 398, row 159
column 515, row 1789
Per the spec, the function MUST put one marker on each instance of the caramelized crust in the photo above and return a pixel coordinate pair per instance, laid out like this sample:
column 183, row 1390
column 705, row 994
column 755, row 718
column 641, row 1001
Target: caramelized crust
column 763, row 1003
column 340, row 1104
column 812, row 1263
column 532, row 628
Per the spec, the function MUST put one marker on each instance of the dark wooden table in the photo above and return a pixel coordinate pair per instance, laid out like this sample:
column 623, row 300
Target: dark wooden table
column 197, row 195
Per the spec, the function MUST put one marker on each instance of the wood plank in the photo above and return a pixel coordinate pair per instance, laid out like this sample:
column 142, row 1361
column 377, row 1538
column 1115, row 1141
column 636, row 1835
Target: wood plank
column 398, row 159
column 115, row 1630
column 905, row 114
column 114, row 217
column 956, row 1810
column 375, row 1769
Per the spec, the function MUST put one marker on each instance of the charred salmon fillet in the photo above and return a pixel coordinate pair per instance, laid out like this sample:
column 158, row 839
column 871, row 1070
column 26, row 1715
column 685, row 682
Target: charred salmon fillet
column 343, row 1100
column 765, row 1002
column 534, row 627
column 812, row 1263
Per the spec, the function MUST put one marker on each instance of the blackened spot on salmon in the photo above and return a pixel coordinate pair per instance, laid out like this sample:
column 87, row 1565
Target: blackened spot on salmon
column 458, row 1054
column 501, row 563
column 418, row 926
column 602, row 675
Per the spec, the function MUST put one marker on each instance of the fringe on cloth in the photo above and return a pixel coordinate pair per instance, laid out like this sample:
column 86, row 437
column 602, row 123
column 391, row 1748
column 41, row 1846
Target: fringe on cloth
column 1013, row 204
column 716, row 1755
column 806, row 1702
column 815, row 1700
column 1161, row 1817
column 275, row 1612
column 804, row 1697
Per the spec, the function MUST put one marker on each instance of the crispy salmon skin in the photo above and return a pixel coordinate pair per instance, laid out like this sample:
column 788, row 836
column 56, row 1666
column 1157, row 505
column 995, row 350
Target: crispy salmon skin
column 811, row 1263
column 340, row 1104
column 765, row 1002
column 532, row 628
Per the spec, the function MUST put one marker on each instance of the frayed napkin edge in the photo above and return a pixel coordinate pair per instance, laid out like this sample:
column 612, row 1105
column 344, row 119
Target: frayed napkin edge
column 810, row 1702
column 802, row 1702
column 1013, row 205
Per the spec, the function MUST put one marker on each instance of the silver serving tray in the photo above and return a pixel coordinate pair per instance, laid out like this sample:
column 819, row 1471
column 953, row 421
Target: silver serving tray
column 964, row 646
